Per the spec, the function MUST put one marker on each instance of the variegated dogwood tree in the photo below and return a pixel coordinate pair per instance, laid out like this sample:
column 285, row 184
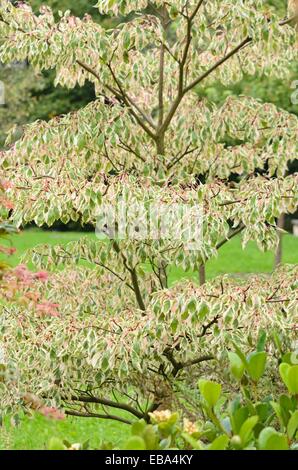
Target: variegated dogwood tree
column 123, row 340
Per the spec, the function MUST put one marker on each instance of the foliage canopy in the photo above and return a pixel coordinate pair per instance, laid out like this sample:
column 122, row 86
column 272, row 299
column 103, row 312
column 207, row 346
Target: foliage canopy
column 121, row 330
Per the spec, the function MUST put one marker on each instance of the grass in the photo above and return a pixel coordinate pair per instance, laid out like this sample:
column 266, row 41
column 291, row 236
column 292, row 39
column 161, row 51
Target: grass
column 35, row 432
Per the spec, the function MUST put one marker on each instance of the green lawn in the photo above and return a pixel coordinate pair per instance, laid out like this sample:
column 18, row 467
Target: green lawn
column 35, row 432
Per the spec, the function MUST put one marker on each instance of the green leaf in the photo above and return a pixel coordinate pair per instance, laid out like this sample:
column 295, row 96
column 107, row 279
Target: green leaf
column 293, row 425
column 203, row 311
column 241, row 355
column 135, row 443
column 247, row 429
column 269, row 439
column 196, row 445
column 293, row 380
column 174, row 12
column 287, row 358
column 220, row 443
column 150, row 438
column 236, row 365
column 56, row 444
column 287, row 407
column 210, row 391
column 238, row 416
column 284, row 370
column 138, row 428
column 278, row 411
column 289, row 375
column 174, row 325
column 277, row 341
column 256, row 365
column 261, row 341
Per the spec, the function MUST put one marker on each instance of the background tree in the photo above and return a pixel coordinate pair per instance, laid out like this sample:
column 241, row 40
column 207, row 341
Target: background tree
column 123, row 337
column 32, row 96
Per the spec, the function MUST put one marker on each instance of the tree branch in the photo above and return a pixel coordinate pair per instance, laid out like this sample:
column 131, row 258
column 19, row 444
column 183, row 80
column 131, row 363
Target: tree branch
column 182, row 63
column 220, row 62
column 7, row 23
column 177, row 366
column 161, row 85
column 134, row 277
column 95, row 74
column 183, row 91
column 109, row 403
column 198, row 361
column 122, row 97
column 97, row 263
column 206, row 327
column 161, row 82
column 80, row 414
column 288, row 20
column 179, row 158
column 234, row 51
column 128, row 148
column 230, row 236
column 130, row 104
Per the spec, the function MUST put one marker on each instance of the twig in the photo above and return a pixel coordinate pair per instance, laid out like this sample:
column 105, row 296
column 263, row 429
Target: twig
column 230, row 236
column 80, row 414
column 109, row 403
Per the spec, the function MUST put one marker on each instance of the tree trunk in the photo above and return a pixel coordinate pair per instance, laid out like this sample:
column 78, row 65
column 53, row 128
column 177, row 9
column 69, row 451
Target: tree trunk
column 160, row 145
column 202, row 274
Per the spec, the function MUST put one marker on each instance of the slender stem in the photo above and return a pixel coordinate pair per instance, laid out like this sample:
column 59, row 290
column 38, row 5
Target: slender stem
column 95, row 74
column 209, row 325
column 234, row 51
column 80, row 414
column 198, row 361
column 161, row 85
column 129, row 103
column 177, row 366
column 128, row 148
column 288, row 20
column 230, row 236
column 109, row 403
column 179, row 158
column 182, row 64
column 134, row 277
column 122, row 97
column 280, row 301
column 97, row 263
column 220, row 62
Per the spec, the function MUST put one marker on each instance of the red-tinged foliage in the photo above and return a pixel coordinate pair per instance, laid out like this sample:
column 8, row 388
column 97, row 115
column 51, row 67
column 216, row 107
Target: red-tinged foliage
column 48, row 308
column 52, row 413
column 19, row 284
